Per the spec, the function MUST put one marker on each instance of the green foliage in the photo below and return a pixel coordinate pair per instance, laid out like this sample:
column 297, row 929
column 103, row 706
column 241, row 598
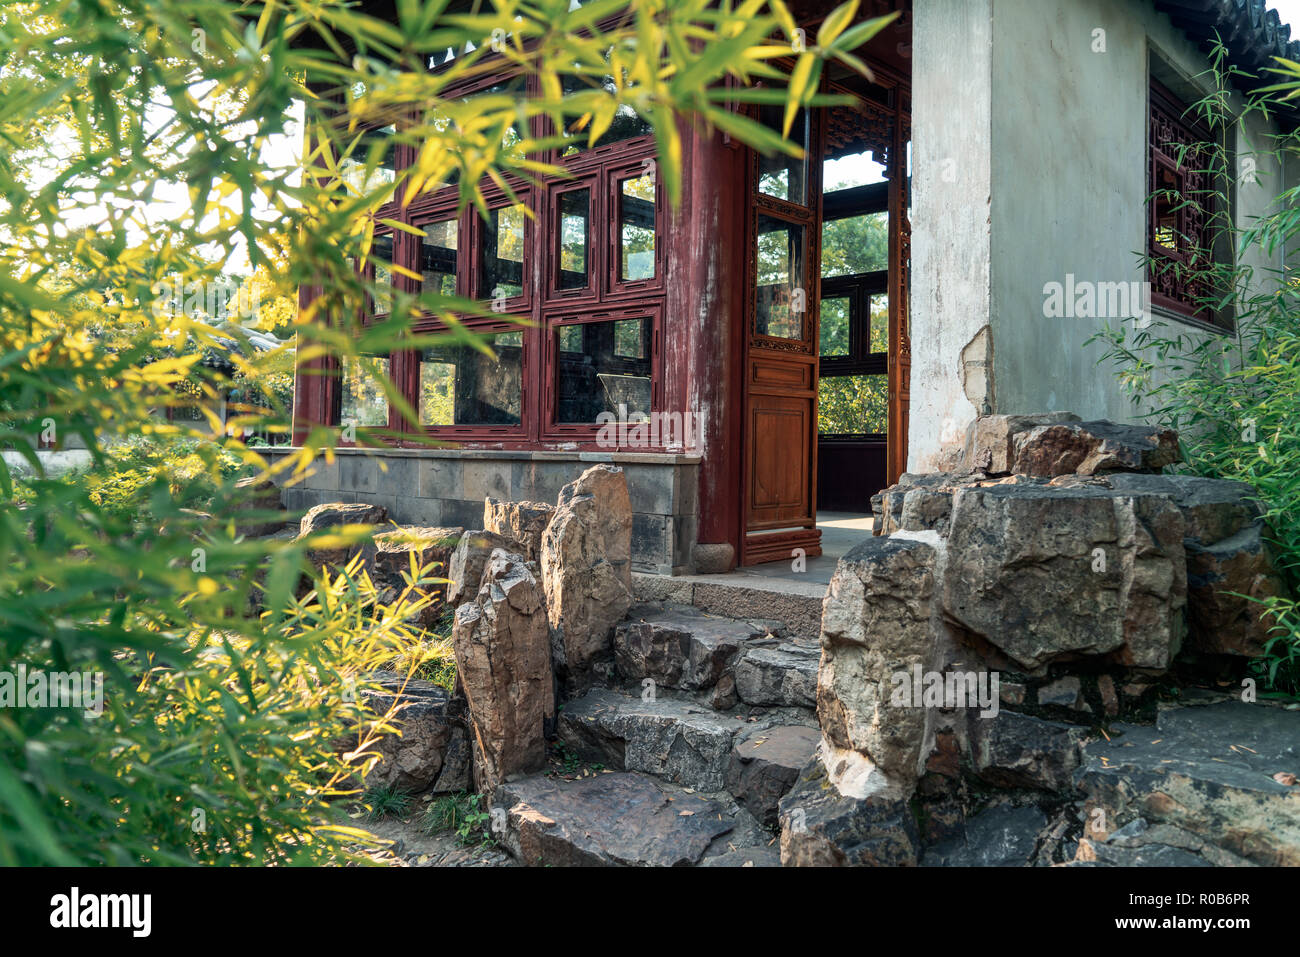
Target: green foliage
column 135, row 159
column 1235, row 399
column 385, row 801
column 463, row 814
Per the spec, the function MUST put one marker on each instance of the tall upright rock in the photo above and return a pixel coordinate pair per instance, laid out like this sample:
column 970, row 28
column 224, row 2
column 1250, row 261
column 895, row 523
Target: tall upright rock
column 587, row 572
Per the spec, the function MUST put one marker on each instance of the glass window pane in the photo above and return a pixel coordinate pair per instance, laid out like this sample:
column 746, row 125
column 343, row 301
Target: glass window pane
column 603, row 366
column 502, row 272
column 637, row 228
column 381, row 257
column 835, row 326
column 460, row 385
column 880, row 323
column 575, row 212
column 438, row 256
column 782, row 298
column 854, row 245
column 372, row 162
column 627, row 123
column 853, row 404
column 780, row 175
column 364, row 403
column 856, row 169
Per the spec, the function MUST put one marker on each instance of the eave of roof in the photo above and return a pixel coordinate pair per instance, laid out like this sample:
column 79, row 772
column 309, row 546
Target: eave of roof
column 1252, row 33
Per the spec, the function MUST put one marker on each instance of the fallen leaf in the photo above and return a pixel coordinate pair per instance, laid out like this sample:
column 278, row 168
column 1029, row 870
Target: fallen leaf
column 1285, row 777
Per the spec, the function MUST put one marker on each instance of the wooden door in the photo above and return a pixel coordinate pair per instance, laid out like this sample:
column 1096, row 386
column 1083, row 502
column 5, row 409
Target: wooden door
column 779, row 490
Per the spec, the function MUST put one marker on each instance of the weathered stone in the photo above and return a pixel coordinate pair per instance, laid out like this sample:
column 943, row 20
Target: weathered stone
column 1214, row 509
column 1085, row 448
column 469, row 558
column 673, row 739
column 457, row 772
column 1045, row 573
column 1000, row 836
column 1109, row 697
column 503, row 663
column 587, row 571
column 723, row 696
column 765, row 764
column 525, row 522
column 388, row 557
column 678, row 646
column 933, row 492
column 878, row 620
column 1221, row 620
column 424, row 720
column 335, row 515
column 261, row 498
column 612, row 819
column 1138, row 844
column 824, row 827
column 763, row 855
column 1206, row 770
column 1066, row 692
column 989, row 439
column 713, row 558
column 778, row 674
column 1012, row 750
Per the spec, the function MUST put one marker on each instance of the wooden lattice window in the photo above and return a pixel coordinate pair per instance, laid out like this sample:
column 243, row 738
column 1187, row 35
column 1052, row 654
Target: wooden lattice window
column 1181, row 208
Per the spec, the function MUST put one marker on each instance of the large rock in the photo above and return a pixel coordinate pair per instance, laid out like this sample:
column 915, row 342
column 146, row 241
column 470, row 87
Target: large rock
column 587, row 571
column 1085, row 448
column 1000, row 836
column 502, row 649
column 1207, row 770
column 258, row 507
column 677, row 646
column 389, row 557
column 525, row 522
column 1044, row 573
column 1231, row 568
column 775, row 673
column 469, row 558
column 1012, row 750
column 765, row 763
column 425, row 721
column 990, row 439
column 676, row 740
column 612, row 819
column 822, row 826
column 879, row 619
column 335, row 516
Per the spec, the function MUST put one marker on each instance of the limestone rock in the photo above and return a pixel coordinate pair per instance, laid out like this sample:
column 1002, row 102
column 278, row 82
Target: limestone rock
column 823, row 827
column 1001, row 836
column 1206, row 770
column 503, row 662
column 587, row 571
column 425, row 720
column 678, row 646
column 877, row 621
column 469, row 558
column 524, row 522
column 990, row 439
column 613, row 819
column 765, row 764
column 1012, row 750
column 1085, row 448
column 676, row 740
column 1045, row 573
column 773, row 673
column 258, row 507
column 388, row 559
column 1221, row 621
column 335, row 515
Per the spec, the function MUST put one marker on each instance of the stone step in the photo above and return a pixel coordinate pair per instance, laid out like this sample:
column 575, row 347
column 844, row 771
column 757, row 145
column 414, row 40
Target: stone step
column 726, row 660
column 744, row 597
column 756, row 759
column 622, row 818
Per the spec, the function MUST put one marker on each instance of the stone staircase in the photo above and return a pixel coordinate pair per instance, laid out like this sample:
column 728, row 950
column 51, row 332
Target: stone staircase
column 701, row 725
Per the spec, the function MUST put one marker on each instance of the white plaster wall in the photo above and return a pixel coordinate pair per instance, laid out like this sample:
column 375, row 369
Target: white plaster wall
column 950, row 297
column 1062, row 191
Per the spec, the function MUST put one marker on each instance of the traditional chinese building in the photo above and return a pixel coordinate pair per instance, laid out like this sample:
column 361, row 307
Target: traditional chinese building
column 796, row 334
